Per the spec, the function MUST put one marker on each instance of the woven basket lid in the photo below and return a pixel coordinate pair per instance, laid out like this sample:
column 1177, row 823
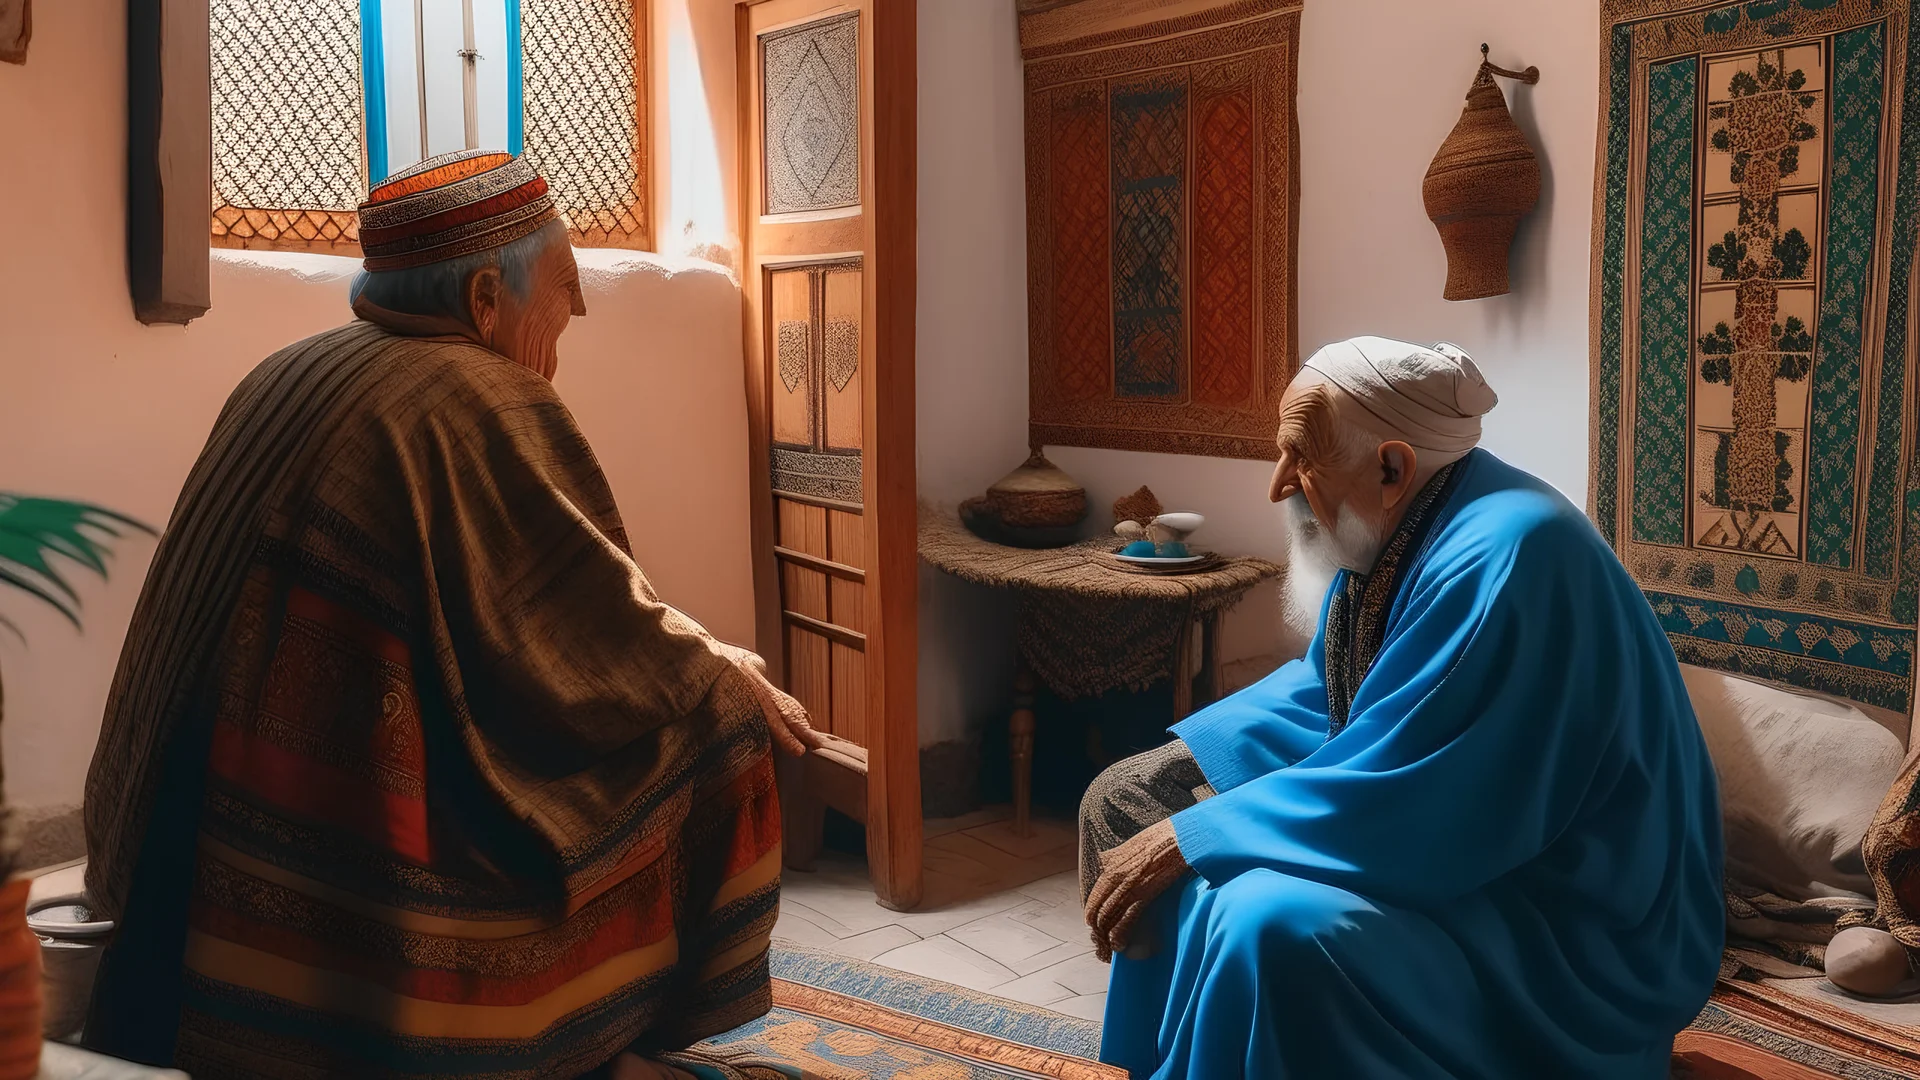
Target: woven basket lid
column 1037, row 477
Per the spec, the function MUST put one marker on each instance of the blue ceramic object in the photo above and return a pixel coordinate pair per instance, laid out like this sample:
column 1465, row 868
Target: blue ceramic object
column 1139, row 549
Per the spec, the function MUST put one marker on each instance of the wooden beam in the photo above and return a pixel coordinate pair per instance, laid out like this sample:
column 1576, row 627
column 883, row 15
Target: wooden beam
column 825, row 566
column 839, row 635
column 169, row 159
column 889, row 82
column 825, row 504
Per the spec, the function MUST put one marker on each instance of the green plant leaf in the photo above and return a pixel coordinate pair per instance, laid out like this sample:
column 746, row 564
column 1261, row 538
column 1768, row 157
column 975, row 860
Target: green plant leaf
column 34, row 530
column 27, row 585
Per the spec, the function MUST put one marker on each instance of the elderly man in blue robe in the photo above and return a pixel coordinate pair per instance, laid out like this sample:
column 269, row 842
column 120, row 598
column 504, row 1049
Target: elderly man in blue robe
column 1473, row 833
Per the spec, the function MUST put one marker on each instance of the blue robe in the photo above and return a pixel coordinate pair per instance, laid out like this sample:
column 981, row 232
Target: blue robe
column 1508, row 864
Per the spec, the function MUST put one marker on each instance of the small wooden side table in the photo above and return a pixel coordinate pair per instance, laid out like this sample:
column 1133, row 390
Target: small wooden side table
column 1089, row 625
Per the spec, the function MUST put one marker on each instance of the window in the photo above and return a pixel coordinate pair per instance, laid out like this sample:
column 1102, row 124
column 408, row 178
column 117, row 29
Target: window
column 314, row 101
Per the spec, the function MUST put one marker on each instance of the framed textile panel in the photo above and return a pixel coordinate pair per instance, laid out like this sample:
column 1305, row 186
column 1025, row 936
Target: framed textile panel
column 1162, row 194
column 1753, row 356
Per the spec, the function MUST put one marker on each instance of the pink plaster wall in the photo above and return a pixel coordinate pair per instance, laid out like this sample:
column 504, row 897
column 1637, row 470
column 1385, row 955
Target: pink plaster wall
column 95, row 406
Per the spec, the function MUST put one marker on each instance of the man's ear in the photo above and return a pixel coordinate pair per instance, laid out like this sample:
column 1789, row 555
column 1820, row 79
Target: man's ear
column 483, row 300
column 1397, row 464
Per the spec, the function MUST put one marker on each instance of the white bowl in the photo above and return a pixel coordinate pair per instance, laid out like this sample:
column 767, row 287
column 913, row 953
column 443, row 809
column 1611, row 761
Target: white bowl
column 1184, row 523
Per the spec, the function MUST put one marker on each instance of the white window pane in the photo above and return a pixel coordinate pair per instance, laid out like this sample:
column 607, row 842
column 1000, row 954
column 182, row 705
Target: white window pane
column 445, row 35
column 490, row 40
column 401, row 83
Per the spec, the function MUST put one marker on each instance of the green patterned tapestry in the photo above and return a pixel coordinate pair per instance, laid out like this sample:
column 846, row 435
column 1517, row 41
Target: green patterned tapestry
column 1753, row 433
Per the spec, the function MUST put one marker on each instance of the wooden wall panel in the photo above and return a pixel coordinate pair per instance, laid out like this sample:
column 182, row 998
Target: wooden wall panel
column 850, row 694
column 849, row 599
column 810, row 675
column 846, row 538
column 790, row 341
column 840, row 333
column 804, row 591
column 803, row 528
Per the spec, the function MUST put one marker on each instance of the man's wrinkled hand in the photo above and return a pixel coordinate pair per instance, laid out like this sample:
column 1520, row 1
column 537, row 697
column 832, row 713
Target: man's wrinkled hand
column 1131, row 877
column 787, row 719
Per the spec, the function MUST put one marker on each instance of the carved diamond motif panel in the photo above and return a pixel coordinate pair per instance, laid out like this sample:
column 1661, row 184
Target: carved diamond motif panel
column 811, row 76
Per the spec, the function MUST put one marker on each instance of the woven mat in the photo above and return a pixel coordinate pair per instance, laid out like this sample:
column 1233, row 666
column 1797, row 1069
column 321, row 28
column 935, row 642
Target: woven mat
column 1087, row 626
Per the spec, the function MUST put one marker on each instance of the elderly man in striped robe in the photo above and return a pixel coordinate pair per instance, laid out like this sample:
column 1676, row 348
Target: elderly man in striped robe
column 406, row 770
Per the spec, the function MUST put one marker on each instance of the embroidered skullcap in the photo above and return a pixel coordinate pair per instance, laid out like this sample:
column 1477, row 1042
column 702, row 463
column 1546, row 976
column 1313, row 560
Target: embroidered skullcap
column 1433, row 397
column 452, row 205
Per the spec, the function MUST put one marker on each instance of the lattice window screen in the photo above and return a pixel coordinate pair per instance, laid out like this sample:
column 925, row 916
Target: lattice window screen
column 584, row 64
column 288, row 167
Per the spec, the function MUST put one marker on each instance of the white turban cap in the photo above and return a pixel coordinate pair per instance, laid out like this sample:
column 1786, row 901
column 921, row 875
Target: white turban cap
column 1431, row 397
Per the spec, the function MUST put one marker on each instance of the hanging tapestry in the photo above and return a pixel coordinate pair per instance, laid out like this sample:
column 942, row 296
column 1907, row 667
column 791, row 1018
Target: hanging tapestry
column 1162, row 183
column 1753, row 433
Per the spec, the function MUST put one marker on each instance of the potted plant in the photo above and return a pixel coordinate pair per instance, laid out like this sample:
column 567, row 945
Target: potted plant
column 36, row 537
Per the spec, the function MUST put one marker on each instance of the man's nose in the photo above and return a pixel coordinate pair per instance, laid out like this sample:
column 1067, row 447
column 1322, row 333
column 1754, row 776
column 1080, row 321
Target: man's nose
column 1286, row 481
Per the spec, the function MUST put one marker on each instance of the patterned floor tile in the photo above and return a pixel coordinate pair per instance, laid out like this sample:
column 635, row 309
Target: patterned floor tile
column 1046, row 837
column 1034, row 990
column 949, row 961
column 1003, row 938
column 1088, row 1007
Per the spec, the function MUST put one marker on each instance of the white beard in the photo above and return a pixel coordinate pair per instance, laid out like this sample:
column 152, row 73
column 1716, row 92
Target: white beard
column 1315, row 556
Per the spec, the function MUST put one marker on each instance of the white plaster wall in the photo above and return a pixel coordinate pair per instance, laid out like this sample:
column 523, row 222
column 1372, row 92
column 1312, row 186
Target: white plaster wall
column 971, row 335
column 1381, row 84
column 95, row 406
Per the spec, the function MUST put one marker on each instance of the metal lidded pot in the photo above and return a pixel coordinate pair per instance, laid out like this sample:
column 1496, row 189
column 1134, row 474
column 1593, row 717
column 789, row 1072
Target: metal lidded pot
column 72, row 938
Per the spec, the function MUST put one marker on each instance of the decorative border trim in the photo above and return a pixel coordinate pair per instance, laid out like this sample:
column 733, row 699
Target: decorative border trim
column 935, row 1036
column 1231, row 11
column 931, row 1001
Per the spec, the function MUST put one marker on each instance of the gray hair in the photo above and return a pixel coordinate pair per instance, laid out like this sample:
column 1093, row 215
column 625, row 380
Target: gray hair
column 440, row 289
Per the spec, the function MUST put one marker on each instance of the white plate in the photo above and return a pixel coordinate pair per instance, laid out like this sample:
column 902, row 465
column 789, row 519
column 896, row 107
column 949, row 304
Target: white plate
column 1155, row 560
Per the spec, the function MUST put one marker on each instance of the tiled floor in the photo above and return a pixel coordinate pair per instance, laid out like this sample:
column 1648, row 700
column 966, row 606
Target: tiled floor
column 1002, row 915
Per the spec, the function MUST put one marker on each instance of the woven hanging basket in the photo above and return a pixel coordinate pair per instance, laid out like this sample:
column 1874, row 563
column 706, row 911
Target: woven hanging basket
column 1482, row 182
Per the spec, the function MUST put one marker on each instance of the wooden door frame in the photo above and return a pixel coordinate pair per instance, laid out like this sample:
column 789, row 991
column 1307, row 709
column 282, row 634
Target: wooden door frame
column 889, row 195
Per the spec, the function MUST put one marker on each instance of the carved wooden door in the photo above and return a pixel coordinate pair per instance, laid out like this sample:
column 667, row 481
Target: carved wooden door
column 827, row 192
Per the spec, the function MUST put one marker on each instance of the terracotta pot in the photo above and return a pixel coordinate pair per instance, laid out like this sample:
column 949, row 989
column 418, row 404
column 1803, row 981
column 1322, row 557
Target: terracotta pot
column 1482, row 182
column 19, row 986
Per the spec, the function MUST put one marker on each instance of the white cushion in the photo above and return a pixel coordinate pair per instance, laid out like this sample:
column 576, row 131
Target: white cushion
column 1800, row 779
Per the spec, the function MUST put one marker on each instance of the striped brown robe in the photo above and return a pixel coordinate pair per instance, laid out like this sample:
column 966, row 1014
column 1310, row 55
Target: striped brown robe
column 406, row 771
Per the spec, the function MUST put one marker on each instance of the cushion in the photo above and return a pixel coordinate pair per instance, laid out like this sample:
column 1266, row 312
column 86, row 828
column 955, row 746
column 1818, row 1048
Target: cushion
column 1800, row 778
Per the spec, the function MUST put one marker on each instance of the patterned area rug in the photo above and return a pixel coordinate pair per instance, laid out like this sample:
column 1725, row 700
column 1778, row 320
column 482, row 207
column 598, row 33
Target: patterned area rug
column 841, row 1019
column 847, row 1020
